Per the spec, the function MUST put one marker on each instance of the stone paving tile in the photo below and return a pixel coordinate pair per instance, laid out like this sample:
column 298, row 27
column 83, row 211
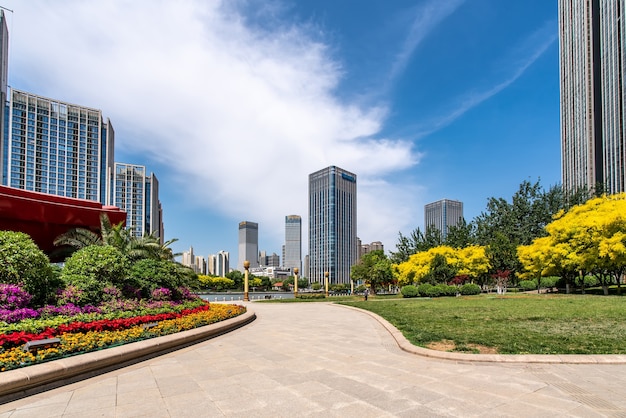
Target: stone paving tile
column 78, row 404
column 332, row 361
column 195, row 404
column 142, row 410
column 93, row 413
column 143, row 395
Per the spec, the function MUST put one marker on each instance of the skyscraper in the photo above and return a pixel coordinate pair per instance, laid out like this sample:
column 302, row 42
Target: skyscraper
column 592, row 37
column 248, row 244
column 58, row 148
column 292, row 256
column 138, row 195
column 332, row 224
column 4, row 83
column 443, row 214
column 218, row 264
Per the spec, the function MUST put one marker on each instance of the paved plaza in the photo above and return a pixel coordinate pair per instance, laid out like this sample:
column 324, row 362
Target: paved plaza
column 323, row 360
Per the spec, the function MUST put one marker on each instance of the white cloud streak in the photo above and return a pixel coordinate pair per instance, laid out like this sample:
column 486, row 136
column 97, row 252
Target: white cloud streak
column 225, row 106
column 426, row 17
column 522, row 56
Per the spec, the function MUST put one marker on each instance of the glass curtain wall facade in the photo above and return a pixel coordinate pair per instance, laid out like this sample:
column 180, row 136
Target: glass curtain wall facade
column 138, row 195
column 130, row 196
column 292, row 256
column 592, row 46
column 4, row 85
column 57, row 148
column 248, row 244
column 443, row 214
column 332, row 225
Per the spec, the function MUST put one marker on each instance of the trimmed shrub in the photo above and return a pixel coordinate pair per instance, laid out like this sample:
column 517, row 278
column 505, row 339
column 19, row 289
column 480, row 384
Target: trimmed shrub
column 549, row 282
column 311, row 296
column 528, row 285
column 23, row 263
column 446, row 290
column 91, row 269
column 428, row 290
column 409, row 291
column 470, row 289
column 149, row 274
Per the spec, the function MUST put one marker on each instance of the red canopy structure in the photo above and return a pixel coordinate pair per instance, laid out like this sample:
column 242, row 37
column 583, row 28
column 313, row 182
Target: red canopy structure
column 44, row 217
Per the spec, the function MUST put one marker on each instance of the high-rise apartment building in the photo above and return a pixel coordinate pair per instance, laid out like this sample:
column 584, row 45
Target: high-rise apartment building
column 332, row 225
column 4, row 86
column 138, row 194
column 292, row 253
column 248, row 244
column 368, row 248
column 222, row 266
column 57, row 148
column 443, row 214
column 592, row 37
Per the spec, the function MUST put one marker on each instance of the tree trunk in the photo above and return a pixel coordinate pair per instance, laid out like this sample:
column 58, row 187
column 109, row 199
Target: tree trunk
column 605, row 290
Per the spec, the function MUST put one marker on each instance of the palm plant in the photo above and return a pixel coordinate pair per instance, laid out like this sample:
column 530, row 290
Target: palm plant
column 135, row 248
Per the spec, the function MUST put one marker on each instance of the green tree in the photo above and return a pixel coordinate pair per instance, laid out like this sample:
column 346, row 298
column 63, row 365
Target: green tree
column 374, row 268
column 237, row 277
column 416, row 241
column 440, row 271
column 22, row 262
column 504, row 226
column 460, row 235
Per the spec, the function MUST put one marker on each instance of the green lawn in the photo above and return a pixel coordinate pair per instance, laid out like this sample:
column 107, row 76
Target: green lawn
column 515, row 324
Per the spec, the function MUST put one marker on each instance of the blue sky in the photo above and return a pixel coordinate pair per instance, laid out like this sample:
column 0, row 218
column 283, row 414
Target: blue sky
column 232, row 104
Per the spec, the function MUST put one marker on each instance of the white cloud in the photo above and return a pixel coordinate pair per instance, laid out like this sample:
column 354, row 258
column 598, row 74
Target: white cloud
column 218, row 101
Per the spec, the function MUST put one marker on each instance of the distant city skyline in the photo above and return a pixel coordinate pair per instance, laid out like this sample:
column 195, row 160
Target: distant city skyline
column 380, row 95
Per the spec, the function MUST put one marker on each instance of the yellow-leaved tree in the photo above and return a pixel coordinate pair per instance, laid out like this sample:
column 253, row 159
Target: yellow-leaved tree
column 440, row 264
column 588, row 239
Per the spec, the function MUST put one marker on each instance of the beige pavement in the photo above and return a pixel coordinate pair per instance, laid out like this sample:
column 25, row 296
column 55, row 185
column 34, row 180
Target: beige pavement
column 317, row 359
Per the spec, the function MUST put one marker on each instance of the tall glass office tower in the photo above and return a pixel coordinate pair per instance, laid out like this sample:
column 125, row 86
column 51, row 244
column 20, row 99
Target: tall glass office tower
column 332, row 225
column 56, row 148
column 248, row 244
column 4, row 86
column 592, row 37
column 292, row 257
column 443, row 214
column 138, row 195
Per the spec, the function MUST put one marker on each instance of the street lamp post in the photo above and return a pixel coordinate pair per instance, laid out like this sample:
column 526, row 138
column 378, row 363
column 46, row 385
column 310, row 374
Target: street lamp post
column 326, row 282
column 295, row 282
column 246, row 266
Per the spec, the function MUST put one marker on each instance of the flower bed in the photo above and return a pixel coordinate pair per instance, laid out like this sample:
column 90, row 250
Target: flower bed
column 77, row 336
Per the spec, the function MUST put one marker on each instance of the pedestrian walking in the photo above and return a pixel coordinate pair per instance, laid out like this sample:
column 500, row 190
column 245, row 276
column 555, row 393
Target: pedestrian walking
column 367, row 292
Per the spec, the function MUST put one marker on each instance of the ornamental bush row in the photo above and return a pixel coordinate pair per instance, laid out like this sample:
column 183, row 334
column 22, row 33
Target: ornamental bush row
column 430, row 291
column 90, row 276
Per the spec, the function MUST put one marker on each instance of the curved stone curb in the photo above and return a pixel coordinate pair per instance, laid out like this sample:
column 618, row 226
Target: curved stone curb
column 405, row 345
column 17, row 383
